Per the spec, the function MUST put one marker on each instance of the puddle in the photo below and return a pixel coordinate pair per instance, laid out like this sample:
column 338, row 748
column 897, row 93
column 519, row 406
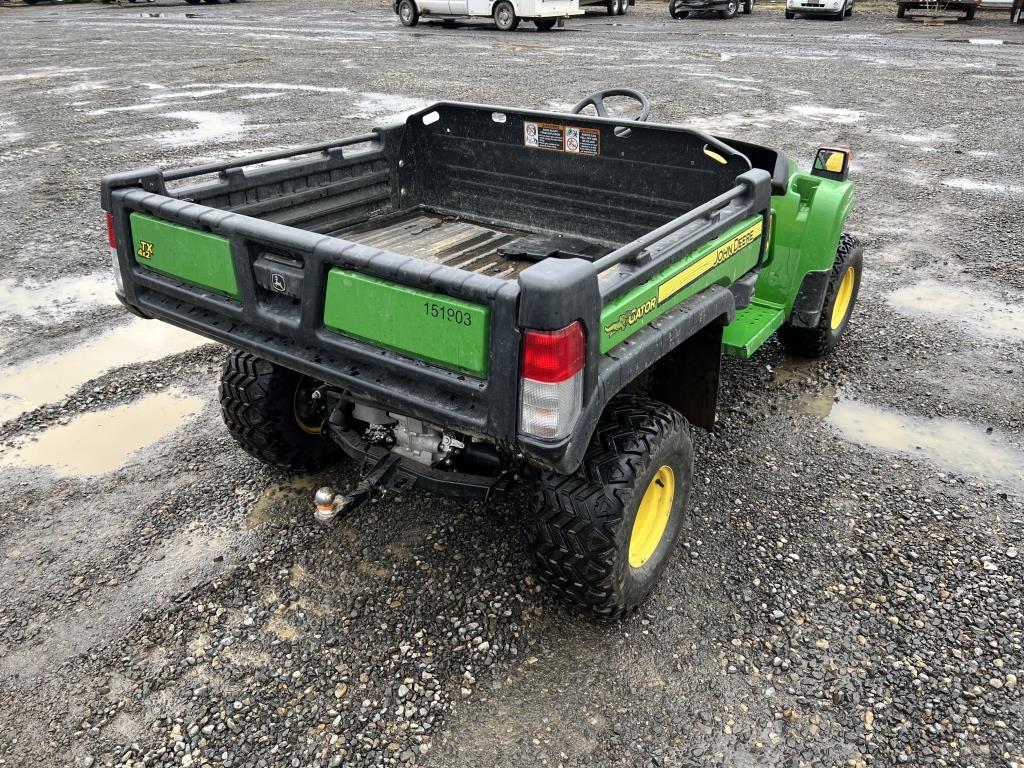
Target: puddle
column 8, row 129
column 984, row 41
column 209, row 127
column 973, row 185
column 828, row 114
column 51, row 378
column 98, row 442
column 57, row 299
column 817, row 404
column 978, row 312
column 955, row 446
column 388, row 105
column 266, row 509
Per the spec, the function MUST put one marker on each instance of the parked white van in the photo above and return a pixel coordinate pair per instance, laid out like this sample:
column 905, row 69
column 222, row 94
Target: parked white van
column 506, row 13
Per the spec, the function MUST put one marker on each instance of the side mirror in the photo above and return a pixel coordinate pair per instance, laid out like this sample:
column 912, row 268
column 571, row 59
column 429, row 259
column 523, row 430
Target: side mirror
column 832, row 163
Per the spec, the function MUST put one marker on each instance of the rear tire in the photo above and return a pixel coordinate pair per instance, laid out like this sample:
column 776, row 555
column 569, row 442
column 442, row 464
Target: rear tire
column 730, row 10
column 901, row 10
column 408, row 13
column 589, row 540
column 267, row 410
column 612, row 6
column 505, row 18
column 545, row 25
column 675, row 11
column 969, row 14
column 840, row 299
column 748, row 7
column 623, row 7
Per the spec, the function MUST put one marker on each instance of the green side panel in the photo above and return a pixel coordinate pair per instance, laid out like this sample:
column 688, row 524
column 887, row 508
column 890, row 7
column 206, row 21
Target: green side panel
column 425, row 325
column 721, row 261
column 751, row 328
column 806, row 224
column 195, row 257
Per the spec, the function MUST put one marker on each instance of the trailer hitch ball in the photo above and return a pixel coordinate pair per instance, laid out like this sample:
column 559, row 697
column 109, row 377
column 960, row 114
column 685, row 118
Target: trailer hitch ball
column 325, row 509
column 328, row 505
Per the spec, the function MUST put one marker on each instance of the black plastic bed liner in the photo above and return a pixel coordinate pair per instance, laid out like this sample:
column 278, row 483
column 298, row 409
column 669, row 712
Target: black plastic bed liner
column 472, row 246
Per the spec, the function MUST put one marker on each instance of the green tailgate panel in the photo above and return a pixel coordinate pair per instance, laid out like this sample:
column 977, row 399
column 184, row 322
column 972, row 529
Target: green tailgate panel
column 450, row 332
column 195, row 257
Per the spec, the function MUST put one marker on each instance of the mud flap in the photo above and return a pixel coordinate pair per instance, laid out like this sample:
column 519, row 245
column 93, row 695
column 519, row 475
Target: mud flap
column 810, row 299
column 686, row 379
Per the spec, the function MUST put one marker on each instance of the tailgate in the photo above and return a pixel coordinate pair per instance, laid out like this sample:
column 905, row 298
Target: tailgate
column 415, row 337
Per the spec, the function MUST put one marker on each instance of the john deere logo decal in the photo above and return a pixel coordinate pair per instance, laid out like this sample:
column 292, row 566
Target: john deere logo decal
column 145, row 250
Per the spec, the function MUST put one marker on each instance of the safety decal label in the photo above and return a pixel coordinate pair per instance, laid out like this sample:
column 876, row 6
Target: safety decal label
column 583, row 141
column 561, row 138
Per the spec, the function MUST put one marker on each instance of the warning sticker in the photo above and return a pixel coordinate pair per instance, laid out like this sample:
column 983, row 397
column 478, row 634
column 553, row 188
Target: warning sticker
column 582, row 141
column 561, row 138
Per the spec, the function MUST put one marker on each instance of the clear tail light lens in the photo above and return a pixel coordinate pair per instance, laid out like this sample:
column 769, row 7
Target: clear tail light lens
column 551, row 391
column 112, row 242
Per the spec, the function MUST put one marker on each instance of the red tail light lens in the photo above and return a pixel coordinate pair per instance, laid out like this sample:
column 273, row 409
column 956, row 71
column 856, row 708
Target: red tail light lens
column 111, row 237
column 553, row 356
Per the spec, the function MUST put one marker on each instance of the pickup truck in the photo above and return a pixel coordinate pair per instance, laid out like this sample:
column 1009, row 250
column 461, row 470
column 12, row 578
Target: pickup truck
column 484, row 295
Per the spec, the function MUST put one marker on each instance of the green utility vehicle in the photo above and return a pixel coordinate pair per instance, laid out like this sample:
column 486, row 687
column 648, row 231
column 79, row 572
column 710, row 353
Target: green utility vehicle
column 480, row 294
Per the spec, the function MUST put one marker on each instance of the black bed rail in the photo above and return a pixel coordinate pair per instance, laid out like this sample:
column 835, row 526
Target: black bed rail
column 176, row 174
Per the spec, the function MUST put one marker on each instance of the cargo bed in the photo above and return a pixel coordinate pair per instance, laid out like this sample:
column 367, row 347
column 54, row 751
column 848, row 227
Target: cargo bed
column 402, row 265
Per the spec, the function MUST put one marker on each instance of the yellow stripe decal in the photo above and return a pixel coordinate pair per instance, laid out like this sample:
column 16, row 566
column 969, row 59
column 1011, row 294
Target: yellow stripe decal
column 704, row 265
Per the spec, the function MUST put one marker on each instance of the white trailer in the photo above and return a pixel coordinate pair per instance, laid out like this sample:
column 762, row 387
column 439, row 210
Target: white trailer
column 506, row 13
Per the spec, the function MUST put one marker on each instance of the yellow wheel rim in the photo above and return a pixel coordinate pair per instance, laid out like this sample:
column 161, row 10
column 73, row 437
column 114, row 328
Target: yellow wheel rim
column 652, row 517
column 841, row 306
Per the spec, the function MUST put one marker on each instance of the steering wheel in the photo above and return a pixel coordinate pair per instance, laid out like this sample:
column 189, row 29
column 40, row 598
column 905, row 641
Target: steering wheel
column 597, row 101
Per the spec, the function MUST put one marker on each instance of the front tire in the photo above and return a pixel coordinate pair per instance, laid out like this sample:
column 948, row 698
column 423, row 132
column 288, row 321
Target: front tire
column 748, row 7
column 675, row 10
column 790, row 15
column 545, row 25
column 601, row 537
column 505, row 18
column 623, row 7
column 269, row 412
column 840, row 299
column 730, row 10
column 408, row 13
column 969, row 14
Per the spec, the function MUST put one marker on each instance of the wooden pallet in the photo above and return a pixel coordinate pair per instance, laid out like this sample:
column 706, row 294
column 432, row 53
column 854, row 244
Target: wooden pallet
column 933, row 19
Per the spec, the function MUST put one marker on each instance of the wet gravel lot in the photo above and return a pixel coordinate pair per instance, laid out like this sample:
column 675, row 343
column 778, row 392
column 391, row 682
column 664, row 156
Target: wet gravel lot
column 848, row 591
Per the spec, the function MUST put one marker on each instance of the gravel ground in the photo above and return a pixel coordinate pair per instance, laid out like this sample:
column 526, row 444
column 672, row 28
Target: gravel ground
column 848, row 591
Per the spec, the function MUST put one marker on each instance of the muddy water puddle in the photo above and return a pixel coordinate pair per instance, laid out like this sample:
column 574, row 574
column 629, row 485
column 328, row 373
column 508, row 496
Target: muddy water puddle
column 98, row 442
column 48, row 379
column 297, row 492
column 977, row 311
column 57, row 299
column 955, row 446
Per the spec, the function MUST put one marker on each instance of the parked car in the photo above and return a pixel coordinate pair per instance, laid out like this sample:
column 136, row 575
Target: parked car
column 506, row 13
column 967, row 7
column 838, row 9
column 680, row 9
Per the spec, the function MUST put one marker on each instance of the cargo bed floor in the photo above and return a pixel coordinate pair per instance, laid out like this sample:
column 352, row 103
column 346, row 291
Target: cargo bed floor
column 455, row 242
